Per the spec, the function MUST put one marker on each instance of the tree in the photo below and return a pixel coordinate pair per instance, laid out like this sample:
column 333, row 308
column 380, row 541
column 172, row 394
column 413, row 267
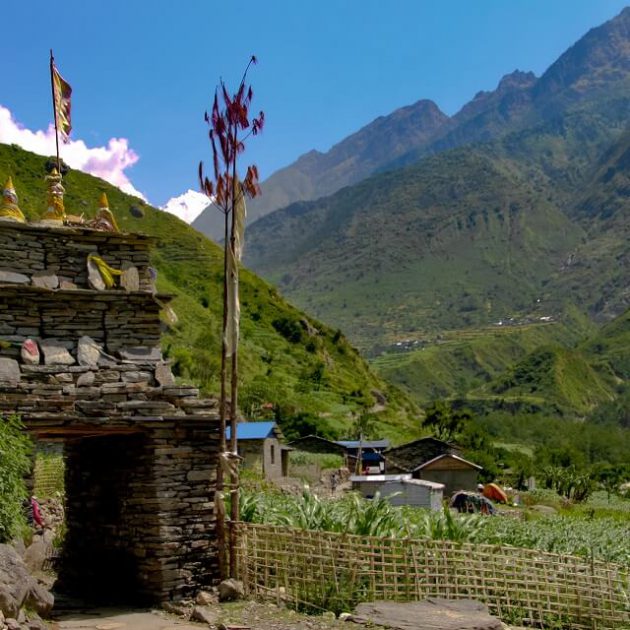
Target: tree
column 444, row 420
column 230, row 126
column 364, row 427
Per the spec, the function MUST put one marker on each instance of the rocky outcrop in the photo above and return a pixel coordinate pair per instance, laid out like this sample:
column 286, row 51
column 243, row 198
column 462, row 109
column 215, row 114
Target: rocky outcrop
column 20, row 592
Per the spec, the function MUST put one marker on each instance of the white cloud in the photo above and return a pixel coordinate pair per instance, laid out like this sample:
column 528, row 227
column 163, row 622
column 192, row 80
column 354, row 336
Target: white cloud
column 109, row 162
column 188, row 206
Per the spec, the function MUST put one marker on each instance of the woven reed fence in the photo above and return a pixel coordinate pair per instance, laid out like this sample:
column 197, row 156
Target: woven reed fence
column 48, row 475
column 328, row 571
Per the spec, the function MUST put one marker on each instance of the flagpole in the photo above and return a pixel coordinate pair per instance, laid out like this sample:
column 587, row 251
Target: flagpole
column 52, row 87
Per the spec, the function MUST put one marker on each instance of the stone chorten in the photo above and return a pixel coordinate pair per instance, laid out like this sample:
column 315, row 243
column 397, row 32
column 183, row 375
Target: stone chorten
column 83, row 367
column 55, row 210
column 9, row 209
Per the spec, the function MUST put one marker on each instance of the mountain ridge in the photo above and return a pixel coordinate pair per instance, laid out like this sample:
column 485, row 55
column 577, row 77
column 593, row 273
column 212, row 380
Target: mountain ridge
column 520, row 101
column 349, row 160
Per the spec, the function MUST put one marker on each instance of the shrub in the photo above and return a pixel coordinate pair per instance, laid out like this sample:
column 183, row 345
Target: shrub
column 15, row 464
column 288, row 328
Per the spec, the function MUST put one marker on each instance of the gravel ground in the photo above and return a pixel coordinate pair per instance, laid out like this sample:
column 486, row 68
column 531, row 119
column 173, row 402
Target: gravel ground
column 261, row 616
column 253, row 615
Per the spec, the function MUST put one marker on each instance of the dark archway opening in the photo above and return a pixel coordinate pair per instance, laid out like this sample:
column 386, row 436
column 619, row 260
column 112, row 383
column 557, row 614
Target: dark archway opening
column 109, row 489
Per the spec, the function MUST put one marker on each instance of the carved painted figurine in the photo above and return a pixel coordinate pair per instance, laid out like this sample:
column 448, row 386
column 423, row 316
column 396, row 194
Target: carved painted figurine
column 104, row 219
column 9, row 210
column 55, row 210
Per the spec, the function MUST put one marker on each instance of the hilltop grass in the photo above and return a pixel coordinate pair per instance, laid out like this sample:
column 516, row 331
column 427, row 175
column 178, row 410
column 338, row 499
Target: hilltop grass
column 288, row 360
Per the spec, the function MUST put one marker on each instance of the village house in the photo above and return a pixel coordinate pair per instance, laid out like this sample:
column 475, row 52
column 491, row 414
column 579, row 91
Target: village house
column 318, row 445
column 433, row 460
column 261, row 445
column 372, row 459
column 370, row 452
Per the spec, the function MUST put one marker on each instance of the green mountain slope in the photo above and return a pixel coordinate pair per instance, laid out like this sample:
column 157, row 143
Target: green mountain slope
column 567, row 369
column 596, row 272
column 554, row 376
column 462, row 239
column 463, row 361
column 288, row 359
column 611, row 347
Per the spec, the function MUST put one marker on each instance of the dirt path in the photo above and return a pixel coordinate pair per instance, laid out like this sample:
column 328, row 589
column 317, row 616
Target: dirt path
column 118, row 619
column 252, row 615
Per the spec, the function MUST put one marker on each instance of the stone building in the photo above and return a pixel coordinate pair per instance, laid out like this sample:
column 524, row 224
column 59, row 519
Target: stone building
column 454, row 472
column 433, row 460
column 261, row 445
column 80, row 362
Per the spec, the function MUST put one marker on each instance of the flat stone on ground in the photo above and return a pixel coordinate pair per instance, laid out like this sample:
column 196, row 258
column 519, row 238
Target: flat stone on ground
column 431, row 614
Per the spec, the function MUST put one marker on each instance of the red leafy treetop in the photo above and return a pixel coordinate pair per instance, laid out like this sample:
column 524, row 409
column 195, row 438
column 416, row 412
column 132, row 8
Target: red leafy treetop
column 230, row 125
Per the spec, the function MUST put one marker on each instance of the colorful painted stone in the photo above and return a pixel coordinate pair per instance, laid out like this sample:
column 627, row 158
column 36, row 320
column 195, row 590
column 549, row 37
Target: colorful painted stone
column 30, row 352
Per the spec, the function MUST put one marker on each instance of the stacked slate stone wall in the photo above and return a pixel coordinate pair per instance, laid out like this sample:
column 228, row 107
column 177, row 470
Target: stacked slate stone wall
column 84, row 366
column 67, row 315
column 37, row 252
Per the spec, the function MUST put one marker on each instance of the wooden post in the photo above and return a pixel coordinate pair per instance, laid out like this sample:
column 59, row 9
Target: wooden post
column 52, row 87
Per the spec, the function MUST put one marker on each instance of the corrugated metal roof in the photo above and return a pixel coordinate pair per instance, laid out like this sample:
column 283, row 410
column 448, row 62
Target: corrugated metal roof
column 402, row 478
column 253, row 430
column 381, row 478
column 460, row 459
column 363, row 444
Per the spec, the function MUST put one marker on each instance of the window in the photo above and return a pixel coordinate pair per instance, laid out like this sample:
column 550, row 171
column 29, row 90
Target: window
column 273, row 454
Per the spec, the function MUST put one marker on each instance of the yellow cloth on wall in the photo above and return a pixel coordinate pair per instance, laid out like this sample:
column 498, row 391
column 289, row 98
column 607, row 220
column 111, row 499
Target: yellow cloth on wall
column 107, row 273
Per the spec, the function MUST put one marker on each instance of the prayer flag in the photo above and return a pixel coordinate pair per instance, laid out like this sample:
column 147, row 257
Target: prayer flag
column 233, row 258
column 61, row 93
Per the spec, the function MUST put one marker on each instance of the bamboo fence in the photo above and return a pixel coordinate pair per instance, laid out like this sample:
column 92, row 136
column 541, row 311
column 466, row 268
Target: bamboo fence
column 316, row 571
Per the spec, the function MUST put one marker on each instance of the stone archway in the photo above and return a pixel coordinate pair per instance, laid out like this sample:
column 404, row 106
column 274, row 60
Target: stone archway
column 140, row 450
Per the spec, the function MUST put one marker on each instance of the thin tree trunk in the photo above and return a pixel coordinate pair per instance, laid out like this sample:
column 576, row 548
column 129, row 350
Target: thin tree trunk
column 234, row 481
column 220, row 525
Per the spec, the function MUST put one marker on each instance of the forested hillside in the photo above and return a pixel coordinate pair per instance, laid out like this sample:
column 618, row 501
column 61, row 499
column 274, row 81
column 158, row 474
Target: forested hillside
column 291, row 365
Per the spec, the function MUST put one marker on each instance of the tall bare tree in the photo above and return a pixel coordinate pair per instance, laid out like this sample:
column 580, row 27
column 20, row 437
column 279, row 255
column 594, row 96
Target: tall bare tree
column 230, row 125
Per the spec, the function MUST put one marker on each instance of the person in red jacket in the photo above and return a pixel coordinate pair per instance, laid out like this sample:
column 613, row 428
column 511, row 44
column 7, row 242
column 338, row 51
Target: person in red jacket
column 36, row 512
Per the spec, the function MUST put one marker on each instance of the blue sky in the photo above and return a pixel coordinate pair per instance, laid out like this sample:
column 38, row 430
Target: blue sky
column 145, row 71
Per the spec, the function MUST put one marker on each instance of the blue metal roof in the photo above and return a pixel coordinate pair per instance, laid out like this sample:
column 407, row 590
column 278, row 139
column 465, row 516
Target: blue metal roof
column 375, row 444
column 252, row 430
